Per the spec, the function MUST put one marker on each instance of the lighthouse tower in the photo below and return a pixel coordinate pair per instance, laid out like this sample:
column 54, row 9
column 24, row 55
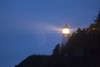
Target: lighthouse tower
column 65, row 34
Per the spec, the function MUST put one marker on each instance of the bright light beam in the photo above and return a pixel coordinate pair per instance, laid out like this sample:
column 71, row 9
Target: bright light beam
column 66, row 31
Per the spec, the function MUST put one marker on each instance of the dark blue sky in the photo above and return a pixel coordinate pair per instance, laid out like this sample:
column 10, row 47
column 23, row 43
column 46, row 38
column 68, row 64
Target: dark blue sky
column 33, row 26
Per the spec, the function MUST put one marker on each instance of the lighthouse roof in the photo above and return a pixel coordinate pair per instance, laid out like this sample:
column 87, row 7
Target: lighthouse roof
column 65, row 26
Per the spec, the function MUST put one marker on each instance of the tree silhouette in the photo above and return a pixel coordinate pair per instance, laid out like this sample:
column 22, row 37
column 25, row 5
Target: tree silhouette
column 56, row 51
column 81, row 50
column 85, row 42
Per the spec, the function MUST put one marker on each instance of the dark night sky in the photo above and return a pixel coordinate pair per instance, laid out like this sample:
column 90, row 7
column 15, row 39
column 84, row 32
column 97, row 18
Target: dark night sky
column 33, row 26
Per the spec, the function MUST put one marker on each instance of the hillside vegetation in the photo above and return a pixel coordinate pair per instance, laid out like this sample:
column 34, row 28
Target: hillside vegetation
column 81, row 50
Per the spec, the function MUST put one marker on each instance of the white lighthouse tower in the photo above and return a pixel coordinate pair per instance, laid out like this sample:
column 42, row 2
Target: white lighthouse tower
column 65, row 34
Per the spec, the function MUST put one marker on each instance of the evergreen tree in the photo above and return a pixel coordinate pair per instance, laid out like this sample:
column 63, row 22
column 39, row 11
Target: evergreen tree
column 79, row 30
column 97, row 22
column 56, row 51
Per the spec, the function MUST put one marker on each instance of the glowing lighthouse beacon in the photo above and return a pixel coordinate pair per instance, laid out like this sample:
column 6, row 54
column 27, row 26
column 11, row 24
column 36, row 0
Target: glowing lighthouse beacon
column 65, row 34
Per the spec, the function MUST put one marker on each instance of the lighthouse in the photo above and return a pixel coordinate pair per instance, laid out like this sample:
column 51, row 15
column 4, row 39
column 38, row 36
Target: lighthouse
column 65, row 34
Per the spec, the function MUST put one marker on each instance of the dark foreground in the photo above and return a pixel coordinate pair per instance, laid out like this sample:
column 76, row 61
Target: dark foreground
column 60, row 61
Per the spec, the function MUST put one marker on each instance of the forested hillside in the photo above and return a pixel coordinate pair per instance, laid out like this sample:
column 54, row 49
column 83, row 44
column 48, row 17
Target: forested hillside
column 81, row 50
column 84, row 42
